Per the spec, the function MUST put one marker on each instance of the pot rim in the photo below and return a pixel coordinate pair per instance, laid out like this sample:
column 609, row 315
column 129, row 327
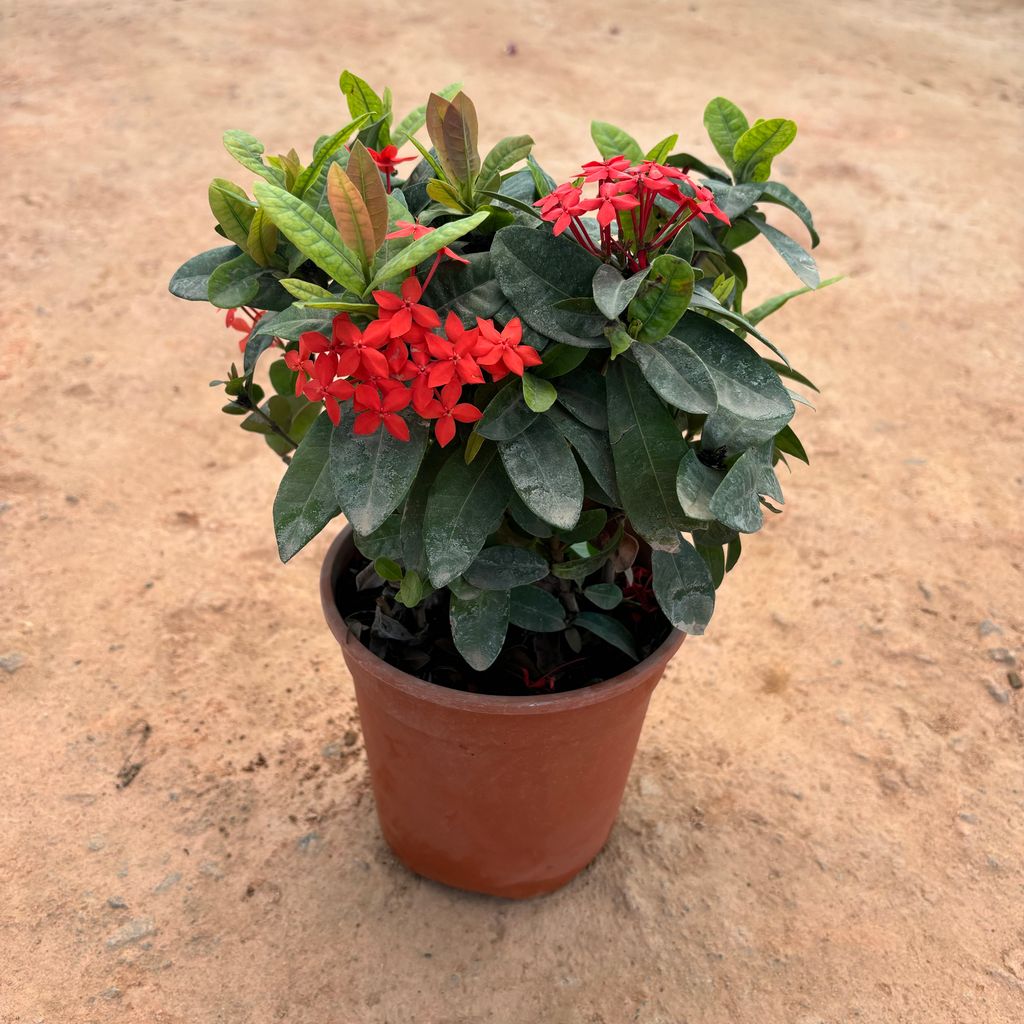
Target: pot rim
column 484, row 703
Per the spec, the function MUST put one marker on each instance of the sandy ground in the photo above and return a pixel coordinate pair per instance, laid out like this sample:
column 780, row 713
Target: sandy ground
column 825, row 821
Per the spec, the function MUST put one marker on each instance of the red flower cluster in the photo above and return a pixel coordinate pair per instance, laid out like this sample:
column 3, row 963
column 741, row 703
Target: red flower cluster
column 236, row 318
column 627, row 194
column 403, row 357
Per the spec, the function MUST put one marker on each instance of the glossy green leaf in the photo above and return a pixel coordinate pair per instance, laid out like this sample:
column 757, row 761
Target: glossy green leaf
column 753, row 404
column 479, row 627
column 758, row 146
column 704, row 302
column 613, row 292
column 538, row 393
column 675, row 371
column 464, row 506
column 388, row 569
column 659, row 153
column 536, row 610
column 232, row 209
column 312, row 177
column 736, row 501
column 662, row 299
column 714, row 560
column 544, row 473
column 305, row 501
column 351, row 216
column 608, row 629
column 612, row 141
column 506, row 415
column 734, row 200
column 787, row 371
column 192, row 279
column 381, row 543
column 363, row 172
column 458, row 151
column 788, row 443
column 725, row 124
column 372, row 473
column 535, row 271
column 362, row 101
column 305, row 291
column 696, row 485
column 776, row 192
column 591, row 523
column 583, row 393
column 262, row 239
column 578, row 569
column 683, row 587
column 559, row 360
column 415, row 119
column 413, row 589
column 504, row 566
column 248, row 151
column 507, row 152
column 646, row 448
column 693, row 163
column 592, row 447
column 235, row 283
column 800, row 261
column 776, row 302
column 467, row 289
column 316, row 237
column 604, row 595
column 424, row 247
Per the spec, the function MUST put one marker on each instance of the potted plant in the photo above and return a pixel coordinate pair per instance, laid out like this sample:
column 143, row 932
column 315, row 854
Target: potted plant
column 548, row 418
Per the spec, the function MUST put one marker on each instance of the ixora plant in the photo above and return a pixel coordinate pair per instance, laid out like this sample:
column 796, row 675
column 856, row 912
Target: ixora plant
column 543, row 409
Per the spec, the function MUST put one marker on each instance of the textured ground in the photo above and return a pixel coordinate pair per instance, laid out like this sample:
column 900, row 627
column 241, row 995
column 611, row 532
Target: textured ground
column 825, row 822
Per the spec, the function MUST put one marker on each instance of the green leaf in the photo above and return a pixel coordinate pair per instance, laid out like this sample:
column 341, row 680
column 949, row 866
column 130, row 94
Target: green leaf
column 544, row 473
column 608, row 629
column 612, row 141
column 479, row 627
column 248, row 151
column 235, row 283
column 756, row 148
column 612, row 292
column 261, row 241
column 289, row 324
column 662, row 299
column 537, row 270
column 704, row 302
column 351, row 216
column 382, row 542
column 464, row 506
column 688, row 160
column 412, row 590
column 305, row 291
column 788, row 443
column 683, row 588
column 504, row 566
column 506, row 415
column 604, row 595
column 776, row 302
column 192, row 279
column 619, row 339
column 646, row 448
column 507, row 152
column 543, row 183
column 734, row 549
column 362, row 101
column 314, row 236
column 725, row 124
column 559, row 360
column 753, row 404
column 696, row 485
column 415, row 119
column 282, row 379
column 734, row 200
column 579, row 569
column 736, row 502
column 800, row 261
column 592, row 447
column 590, row 525
column 675, row 371
column 583, row 393
column 776, row 192
column 538, row 393
column 305, row 501
column 787, row 371
column 714, row 561
column 308, row 180
column 388, row 569
column 233, row 210
column 425, row 247
column 536, row 610
column 467, row 289
column 660, row 152
column 372, row 473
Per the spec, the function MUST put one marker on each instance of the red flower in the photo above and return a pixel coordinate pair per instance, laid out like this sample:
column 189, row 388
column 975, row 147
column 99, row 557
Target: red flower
column 407, row 229
column 614, row 169
column 417, row 369
column 377, row 408
column 454, row 357
column 322, row 387
column 561, row 206
column 358, row 351
column 506, row 353
column 446, row 409
column 387, row 159
column 232, row 318
column 658, row 177
column 610, row 201
column 400, row 313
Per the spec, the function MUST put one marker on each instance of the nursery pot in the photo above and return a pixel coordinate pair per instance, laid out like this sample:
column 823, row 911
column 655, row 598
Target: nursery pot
column 510, row 796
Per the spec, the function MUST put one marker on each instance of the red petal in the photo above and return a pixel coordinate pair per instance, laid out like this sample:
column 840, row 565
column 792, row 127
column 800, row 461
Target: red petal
column 397, row 398
column 411, row 289
column 367, row 397
column 366, row 423
column 375, row 363
column 439, row 348
column 348, row 362
column 333, row 410
column 513, row 362
column 466, row 413
column 387, row 300
column 396, row 427
column 530, row 356
column 450, row 394
column 440, row 374
column 444, row 431
column 401, row 322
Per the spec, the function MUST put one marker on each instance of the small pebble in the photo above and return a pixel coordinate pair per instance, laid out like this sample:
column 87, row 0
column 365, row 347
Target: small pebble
column 1013, row 678
column 1001, row 654
column 117, row 903
column 97, row 843
column 987, row 627
column 111, row 993
column 971, row 819
column 308, row 842
column 168, row 883
column 132, row 932
column 924, row 590
column 998, row 695
column 10, row 663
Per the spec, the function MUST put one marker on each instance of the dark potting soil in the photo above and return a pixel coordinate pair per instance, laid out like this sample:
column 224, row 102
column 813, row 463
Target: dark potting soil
column 419, row 641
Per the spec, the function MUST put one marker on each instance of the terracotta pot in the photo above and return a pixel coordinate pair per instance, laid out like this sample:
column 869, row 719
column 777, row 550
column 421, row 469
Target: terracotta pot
column 511, row 796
